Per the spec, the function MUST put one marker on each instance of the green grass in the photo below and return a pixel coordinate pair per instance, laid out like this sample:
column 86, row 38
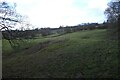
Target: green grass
column 24, row 44
column 86, row 54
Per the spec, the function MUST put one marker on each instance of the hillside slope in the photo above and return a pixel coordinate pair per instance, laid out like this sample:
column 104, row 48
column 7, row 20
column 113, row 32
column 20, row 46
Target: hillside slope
column 86, row 54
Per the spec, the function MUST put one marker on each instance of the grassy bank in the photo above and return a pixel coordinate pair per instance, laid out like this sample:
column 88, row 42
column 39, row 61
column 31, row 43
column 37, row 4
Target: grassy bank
column 86, row 54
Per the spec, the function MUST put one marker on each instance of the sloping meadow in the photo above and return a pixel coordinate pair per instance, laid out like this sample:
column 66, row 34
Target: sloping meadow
column 85, row 54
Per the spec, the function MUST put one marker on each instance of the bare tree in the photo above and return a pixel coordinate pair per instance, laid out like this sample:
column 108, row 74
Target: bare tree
column 9, row 18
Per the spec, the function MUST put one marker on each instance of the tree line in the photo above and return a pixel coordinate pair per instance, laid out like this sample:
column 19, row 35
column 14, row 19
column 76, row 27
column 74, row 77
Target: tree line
column 29, row 34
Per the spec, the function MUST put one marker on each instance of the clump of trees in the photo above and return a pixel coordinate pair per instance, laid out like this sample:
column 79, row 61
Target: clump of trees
column 113, row 18
column 45, row 31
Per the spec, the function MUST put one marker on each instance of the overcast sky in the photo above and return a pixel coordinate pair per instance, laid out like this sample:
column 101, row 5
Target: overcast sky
column 53, row 13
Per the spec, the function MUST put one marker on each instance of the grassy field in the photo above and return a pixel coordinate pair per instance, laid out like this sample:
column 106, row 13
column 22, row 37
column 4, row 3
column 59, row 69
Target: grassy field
column 88, row 54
